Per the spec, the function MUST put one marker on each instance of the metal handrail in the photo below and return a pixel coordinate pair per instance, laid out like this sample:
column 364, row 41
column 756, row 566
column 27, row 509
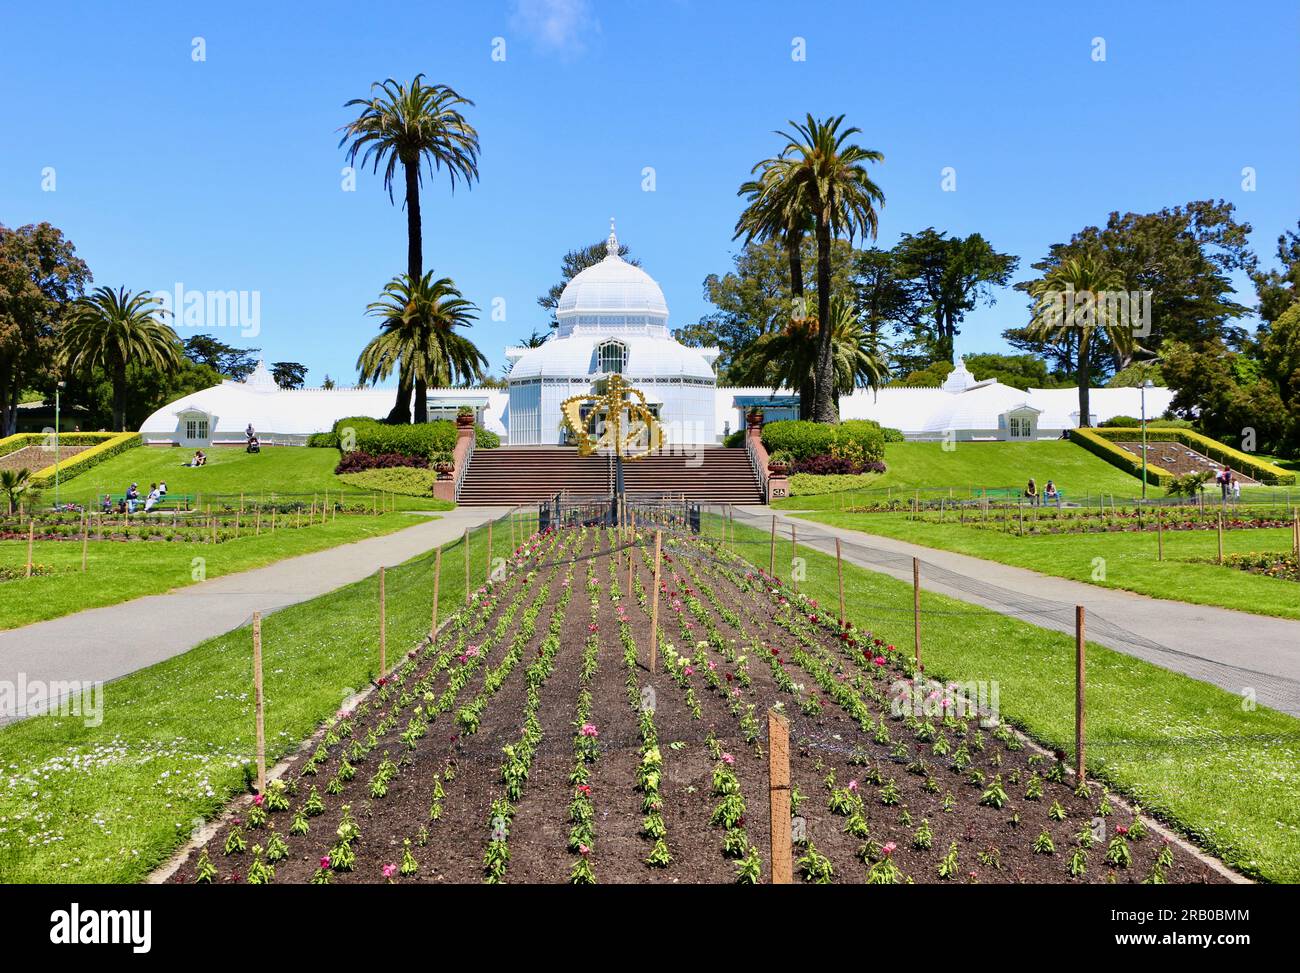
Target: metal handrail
column 460, row 473
column 760, row 469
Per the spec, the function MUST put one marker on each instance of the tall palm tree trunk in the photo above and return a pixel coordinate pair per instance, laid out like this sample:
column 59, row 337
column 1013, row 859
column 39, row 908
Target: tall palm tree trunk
column 823, row 377
column 119, row 396
column 793, row 243
column 401, row 411
column 1083, row 375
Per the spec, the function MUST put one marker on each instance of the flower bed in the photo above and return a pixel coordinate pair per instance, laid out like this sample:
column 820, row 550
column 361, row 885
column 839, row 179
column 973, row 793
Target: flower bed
column 528, row 743
column 1054, row 520
column 1268, row 563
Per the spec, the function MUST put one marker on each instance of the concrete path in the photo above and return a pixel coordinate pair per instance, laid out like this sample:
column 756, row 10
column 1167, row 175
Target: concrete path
column 101, row 644
column 1234, row 650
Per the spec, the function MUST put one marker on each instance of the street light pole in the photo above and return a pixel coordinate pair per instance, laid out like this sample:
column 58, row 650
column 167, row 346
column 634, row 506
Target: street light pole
column 1145, row 385
column 57, row 387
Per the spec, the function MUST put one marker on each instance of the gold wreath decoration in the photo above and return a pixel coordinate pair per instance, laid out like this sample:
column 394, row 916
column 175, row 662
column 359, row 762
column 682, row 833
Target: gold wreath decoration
column 634, row 438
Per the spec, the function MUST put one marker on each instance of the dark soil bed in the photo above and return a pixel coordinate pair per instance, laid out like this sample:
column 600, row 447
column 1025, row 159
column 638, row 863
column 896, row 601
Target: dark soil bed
column 623, row 766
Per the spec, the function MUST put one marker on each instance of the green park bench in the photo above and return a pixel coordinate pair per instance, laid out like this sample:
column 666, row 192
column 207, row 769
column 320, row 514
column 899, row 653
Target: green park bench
column 169, row 501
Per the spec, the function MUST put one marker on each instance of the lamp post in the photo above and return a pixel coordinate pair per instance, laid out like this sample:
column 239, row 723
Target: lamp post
column 57, row 387
column 1145, row 385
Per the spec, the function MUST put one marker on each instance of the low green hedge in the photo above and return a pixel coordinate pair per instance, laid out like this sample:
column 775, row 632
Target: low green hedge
column 405, row 480
column 104, row 448
column 418, row 439
column 811, row 485
column 802, row 439
column 1132, row 422
column 11, row 444
column 1256, row 468
column 1099, row 445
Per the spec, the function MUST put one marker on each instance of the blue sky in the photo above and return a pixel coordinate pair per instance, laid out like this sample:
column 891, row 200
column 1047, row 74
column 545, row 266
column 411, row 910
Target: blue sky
column 224, row 174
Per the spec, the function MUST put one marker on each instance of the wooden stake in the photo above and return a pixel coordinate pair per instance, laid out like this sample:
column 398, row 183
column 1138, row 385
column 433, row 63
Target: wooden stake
column 778, row 789
column 31, row 538
column 839, row 572
column 238, row 513
column 257, row 529
column 437, row 580
column 771, row 556
column 1079, row 690
column 488, row 575
column 654, row 609
column 273, row 509
column 1220, row 536
column 259, row 703
column 1160, row 535
column 85, row 539
column 466, row 565
column 794, row 557
column 383, row 625
column 916, row 608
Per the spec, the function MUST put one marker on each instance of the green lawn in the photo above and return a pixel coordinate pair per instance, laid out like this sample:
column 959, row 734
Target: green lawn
column 109, row 803
column 935, row 472
column 1189, row 751
column 230, row 471
column 1130, row 558
column 118, row 571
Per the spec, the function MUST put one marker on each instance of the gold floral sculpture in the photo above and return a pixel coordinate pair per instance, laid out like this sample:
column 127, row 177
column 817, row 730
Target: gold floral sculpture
column 632, row 436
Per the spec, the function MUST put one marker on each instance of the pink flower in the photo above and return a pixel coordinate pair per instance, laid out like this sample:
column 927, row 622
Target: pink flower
column 690, row 670
column 593, row 627
column 259, row 800
column 1121, row 829
column 880, row 660
column 583, row 850
column 325, row 861
column 889, row 848
column 728, row 759
column 589, row 730
column 584, row 790
column 713, row 667
column 853, row 787
column 390, row 870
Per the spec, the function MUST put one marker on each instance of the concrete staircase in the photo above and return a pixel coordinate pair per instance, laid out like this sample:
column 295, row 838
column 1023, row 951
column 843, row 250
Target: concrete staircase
column 527, row 474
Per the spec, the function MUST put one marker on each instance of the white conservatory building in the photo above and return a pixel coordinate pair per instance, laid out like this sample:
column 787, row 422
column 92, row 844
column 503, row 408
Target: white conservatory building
column 612, row 319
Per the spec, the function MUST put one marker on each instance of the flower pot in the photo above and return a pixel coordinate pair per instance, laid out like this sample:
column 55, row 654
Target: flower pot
column 464, row 420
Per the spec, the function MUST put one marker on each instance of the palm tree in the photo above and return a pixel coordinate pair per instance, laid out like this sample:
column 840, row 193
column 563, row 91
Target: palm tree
column 108, row 329
column 775, row 211
column 14, row 482
column 417, row 336
column 1067, row 306
column 787, row 357
column 409, row 125
column 827, row 177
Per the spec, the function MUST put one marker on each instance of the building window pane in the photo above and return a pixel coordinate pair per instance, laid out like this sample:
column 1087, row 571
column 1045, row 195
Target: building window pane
column 611, row 357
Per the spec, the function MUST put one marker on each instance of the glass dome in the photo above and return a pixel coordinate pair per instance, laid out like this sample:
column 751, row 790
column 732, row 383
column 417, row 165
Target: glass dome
column 612, row 295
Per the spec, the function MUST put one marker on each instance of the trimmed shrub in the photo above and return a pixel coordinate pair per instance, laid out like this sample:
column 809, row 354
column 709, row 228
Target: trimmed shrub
column 830, row 465
column 420, row 439
column 810, row 485
column 1129, row 422
column 892, row 435
column 734, row 440
column 1094, row 442
column 105, row 449
column 859, row 439
column 1257, row 468
column 357, row 461
column 323, row 440
column 402, row 480
column 21, row 440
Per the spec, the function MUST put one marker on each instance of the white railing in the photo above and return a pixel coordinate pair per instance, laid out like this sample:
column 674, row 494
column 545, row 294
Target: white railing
column 460, row 473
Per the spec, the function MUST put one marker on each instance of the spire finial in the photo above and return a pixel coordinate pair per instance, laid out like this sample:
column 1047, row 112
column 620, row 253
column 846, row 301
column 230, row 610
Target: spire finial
column 611, row 245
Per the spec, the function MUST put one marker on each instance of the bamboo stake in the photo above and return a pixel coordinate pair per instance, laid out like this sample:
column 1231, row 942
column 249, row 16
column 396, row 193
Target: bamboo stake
column 916, row 608
column 839, row 572
column 1160, row 535
column 383, row 625
column 1079, row 691
column 1220, row 536
column 31, row 538
column 259, row 703
column 778, row 773
column 489, row 552
column 771, row 557
column 257, row 529
column 654, row 610
column 85, row 539
column 437, row 580
column 466, row 565
column 794, row 557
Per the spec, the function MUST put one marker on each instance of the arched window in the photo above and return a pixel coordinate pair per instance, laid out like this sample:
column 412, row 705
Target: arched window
column 611, row 357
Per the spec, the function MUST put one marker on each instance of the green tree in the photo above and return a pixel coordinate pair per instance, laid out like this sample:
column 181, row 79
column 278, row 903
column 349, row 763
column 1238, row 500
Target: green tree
column 412, row 125
column 40, row 276
column 573, row 263
column 825, row 175
column 289, row 374
column 1017, row 371
column 113, row 329
column 234, row 363
column 1280, row 289
column 1084, row 322
column 945, row 278
column 418, row 334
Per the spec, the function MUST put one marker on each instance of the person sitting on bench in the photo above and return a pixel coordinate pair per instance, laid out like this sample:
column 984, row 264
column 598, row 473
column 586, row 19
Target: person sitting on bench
column 151, row 500
column 132, row 498
column 1050, row 493
column 1031, row 492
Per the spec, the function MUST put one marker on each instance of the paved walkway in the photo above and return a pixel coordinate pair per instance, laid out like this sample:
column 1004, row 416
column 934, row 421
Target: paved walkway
column 1233, row 650
column 101, row 644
